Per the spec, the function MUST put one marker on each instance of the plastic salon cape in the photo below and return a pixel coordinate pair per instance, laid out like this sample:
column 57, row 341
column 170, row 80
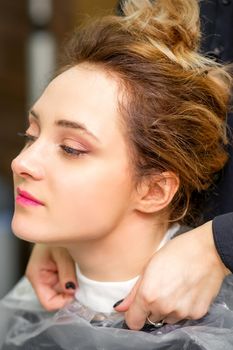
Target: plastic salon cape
column 24, row 325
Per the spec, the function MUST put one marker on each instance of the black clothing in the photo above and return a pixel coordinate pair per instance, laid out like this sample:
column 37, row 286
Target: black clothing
column 221, row 196
column 217, row 42
column 223, row 237
column 217, row 29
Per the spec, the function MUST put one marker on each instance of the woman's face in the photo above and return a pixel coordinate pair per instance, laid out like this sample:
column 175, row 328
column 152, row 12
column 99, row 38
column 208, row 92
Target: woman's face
column 73, row 180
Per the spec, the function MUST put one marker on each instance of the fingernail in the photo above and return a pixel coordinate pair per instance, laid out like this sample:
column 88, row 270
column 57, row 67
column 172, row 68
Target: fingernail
column 118, row 303
column 70, row 285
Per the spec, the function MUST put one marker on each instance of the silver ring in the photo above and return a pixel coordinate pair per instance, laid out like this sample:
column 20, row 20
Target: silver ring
column 155, row 324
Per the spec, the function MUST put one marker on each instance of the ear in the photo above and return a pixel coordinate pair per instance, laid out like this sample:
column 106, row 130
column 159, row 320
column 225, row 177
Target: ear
column 156, row 192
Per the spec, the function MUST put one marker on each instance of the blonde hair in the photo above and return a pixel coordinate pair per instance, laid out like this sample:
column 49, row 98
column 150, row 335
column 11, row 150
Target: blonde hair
column 176, row 99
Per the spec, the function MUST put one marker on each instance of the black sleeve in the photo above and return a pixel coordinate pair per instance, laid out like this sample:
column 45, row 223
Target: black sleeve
column 223, row 237
column 216, row 27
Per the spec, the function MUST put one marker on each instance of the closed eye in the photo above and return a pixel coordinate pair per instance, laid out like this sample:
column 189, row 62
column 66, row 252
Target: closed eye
column 72, row 151
column 27, row 137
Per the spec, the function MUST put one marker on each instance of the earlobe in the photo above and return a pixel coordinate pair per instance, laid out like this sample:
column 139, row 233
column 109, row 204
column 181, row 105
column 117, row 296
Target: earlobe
column 157, row 191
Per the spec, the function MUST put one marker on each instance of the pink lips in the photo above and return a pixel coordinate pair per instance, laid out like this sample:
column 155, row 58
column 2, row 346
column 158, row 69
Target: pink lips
column 24, row 198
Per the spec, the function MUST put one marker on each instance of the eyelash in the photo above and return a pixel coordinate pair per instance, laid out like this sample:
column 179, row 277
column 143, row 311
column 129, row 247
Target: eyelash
column 69, row 151
column 72, row 152
column 28, row 138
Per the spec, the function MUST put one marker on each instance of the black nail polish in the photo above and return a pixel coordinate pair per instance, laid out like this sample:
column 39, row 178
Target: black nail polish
column 118, row 303
column 70, row 285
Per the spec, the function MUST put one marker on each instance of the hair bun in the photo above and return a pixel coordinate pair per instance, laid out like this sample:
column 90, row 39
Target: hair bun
column 173, row 26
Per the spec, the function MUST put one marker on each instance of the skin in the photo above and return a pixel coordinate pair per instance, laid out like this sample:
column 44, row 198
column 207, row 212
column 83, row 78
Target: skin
column 49, row 269
column 83, row 175
column 164, row 293
column 180, row 292
column 76, row 176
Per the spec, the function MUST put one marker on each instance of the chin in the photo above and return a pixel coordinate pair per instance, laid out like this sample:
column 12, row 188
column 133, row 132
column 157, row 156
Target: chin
column 22, row 231
column 31, row 231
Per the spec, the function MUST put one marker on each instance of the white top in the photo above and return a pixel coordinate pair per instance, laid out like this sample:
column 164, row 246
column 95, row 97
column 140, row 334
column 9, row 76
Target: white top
column 101, row 296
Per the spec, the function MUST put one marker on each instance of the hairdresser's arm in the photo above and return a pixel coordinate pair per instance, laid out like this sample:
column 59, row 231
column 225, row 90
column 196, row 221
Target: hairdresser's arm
column 223, row 237
column 51, row 272
column 182, row 279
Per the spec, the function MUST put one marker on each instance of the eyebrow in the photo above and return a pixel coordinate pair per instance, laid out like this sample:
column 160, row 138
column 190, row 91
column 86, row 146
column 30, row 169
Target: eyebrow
column 69, row 124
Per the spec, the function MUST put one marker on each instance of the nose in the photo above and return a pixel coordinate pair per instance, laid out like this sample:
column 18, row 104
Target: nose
column 28, row 164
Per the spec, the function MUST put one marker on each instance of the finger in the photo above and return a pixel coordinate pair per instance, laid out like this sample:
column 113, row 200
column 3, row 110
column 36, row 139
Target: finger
column 44, row 281
column 190, row 307
column 200, row 306
column 50, row 299
column 66, row 271
column 141, row 306
column 174, row 317
column 125, row 304
column 45, row 277
column 136, row 315
column 138, row 307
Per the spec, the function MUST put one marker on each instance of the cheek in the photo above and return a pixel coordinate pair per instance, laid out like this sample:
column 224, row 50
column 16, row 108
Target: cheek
column 96, row 200
column 95, row 192
column 98, row 182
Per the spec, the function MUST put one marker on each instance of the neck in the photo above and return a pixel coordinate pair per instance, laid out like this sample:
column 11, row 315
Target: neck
column 123, row 253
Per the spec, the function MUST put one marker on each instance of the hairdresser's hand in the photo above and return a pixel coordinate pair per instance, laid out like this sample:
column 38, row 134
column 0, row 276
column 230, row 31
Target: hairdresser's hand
column 180, row 281
column 51, row 272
